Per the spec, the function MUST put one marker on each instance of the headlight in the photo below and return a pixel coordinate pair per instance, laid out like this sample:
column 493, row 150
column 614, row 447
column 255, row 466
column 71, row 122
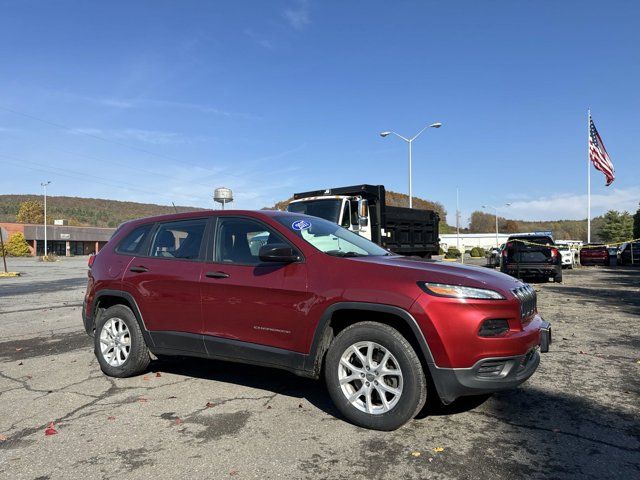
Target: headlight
column 458, row 291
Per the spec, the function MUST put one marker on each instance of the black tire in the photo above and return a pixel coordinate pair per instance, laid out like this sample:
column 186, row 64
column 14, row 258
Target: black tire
column 414, row 388
column 138, row 359
column 558, row 278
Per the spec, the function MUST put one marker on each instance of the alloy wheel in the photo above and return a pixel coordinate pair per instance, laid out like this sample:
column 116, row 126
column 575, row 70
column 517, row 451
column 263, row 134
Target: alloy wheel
column 370, row 377
column 115, row 342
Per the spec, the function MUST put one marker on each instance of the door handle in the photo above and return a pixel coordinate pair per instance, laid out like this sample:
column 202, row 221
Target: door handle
column 217, row 275
column 139, row 269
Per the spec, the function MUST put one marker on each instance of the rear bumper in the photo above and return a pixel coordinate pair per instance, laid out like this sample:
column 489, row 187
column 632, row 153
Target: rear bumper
column 531, row 269
column 490, row 374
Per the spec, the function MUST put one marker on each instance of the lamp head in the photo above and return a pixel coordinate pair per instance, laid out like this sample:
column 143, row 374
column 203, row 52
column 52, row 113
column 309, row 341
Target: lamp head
column 435, row 125
column 385, row 134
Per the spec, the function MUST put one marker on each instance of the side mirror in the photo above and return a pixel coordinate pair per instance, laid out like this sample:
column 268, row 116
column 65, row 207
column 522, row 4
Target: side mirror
column 278, row 252
column 363, row 212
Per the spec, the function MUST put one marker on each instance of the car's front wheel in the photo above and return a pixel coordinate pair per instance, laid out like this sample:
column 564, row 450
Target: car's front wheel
column 374, row 376
column 118, row 343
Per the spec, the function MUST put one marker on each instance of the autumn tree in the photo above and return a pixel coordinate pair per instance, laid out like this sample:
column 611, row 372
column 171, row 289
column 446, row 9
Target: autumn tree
column 617, row 227
column 482, row 222
column 511, row 226
column 17, row 246
column 30, row 212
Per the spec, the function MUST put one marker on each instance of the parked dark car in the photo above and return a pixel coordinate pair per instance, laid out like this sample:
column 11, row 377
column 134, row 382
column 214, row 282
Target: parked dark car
column 313, row 298
column 626, row 251
column 594, row 254
column 532, row 255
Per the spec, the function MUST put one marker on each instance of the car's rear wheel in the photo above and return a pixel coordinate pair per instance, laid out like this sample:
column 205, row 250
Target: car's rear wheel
column 118, row 343
column 374, row 376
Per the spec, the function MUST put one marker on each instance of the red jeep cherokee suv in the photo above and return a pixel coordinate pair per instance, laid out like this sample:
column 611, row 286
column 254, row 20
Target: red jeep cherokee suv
column 300, row 293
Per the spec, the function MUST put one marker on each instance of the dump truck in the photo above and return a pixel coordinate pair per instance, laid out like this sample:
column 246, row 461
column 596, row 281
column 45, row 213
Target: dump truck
column 363, row 210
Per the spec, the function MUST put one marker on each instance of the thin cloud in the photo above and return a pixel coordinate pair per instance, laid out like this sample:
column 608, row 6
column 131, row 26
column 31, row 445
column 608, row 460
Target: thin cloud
column 146, row 136
column 130, row 103
column 574, row 207
column 298, row 15
column 259, row 39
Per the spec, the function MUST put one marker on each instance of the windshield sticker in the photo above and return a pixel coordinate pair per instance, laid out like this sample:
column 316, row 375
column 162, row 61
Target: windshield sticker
column 300, row 225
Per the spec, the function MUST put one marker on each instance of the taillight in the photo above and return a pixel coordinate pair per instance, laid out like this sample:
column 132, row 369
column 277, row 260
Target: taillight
column 504, row 253
column 92, row 258
column 554, row 253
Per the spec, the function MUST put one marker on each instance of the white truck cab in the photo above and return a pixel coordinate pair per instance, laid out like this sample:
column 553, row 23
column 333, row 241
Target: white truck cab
column 350, row 212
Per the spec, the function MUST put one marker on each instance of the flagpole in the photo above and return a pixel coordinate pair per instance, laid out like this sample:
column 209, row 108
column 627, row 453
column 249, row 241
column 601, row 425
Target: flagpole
column 588, row 177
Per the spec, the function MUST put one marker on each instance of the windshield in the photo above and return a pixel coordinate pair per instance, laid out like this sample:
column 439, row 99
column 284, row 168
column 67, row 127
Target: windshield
column 329, row 237
column 329, row 209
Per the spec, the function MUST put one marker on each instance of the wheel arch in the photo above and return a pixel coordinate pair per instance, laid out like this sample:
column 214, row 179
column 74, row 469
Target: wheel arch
column 108, row 298
column 343, row 314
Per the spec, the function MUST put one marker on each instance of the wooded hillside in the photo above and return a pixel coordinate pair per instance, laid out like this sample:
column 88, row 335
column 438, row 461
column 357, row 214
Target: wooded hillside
column 94, row 212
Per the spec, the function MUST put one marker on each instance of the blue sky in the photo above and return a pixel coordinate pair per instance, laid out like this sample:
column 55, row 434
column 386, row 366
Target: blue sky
column 163, row 101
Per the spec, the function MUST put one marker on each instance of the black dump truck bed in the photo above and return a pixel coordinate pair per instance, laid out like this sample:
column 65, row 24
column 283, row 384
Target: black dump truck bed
column 406, row 231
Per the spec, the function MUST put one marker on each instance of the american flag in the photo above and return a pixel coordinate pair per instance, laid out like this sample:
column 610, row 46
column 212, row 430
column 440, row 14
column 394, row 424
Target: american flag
column 598, row 154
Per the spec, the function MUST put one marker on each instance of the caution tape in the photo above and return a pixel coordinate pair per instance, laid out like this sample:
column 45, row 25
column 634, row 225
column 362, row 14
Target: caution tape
column 613, row 244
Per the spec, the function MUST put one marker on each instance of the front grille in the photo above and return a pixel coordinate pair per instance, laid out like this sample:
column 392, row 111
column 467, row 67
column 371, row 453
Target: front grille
column 528, row 300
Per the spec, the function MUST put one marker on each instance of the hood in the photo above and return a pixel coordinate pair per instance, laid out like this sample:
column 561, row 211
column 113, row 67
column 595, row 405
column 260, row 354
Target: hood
column 444, row 272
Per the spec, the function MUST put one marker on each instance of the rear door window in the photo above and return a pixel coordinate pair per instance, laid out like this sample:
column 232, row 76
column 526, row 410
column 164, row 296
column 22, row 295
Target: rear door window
column 181, row 240
column 133, row 243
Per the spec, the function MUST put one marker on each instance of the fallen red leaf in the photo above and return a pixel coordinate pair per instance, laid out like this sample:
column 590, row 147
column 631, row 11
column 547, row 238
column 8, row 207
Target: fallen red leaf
column 143, row 400
column 179, row 421
column 3, row 438
column 111, row 417
column 18, row 349
column 50, row 430
column 145, row 378
column 268, row 407
column 158, row 374
column 233, row 472
column 209, row 405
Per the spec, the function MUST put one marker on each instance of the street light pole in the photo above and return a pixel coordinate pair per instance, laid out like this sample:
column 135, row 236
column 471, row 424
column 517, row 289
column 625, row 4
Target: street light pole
column 44, row 186
column 410, row 142
column 496, row 211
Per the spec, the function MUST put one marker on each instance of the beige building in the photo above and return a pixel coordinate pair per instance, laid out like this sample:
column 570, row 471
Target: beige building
column 62, row 240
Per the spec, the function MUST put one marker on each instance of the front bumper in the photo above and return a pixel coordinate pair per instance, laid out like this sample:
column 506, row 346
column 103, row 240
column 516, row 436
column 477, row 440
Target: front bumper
column 490, row 374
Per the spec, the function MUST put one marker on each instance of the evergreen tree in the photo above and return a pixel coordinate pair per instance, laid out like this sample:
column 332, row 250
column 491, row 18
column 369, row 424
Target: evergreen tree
column 636, row 223
column 617, row 227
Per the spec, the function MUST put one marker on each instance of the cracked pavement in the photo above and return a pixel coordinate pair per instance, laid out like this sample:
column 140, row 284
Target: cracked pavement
column 577, row 417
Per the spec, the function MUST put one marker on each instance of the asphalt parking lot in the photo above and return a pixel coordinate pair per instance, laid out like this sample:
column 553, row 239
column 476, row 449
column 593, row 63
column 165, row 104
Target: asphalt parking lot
column 578, row 417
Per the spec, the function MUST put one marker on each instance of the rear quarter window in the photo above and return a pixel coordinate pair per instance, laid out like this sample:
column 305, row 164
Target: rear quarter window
column 132, row 243
column 536, row 240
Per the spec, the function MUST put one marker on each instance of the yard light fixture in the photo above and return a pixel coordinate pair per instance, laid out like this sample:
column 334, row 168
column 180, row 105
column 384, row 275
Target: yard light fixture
column 496, row 211
column 44, row 186
column 410, row 142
